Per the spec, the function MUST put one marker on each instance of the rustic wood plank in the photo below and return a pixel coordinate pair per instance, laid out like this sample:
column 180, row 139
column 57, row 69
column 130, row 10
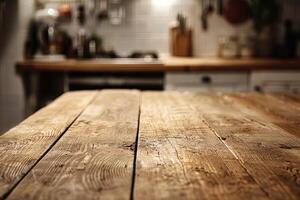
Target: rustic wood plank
column 179, row 157
column 94, row 158
column 278, row 109
column 270, row 154
column 291, row 98
column 23, row 146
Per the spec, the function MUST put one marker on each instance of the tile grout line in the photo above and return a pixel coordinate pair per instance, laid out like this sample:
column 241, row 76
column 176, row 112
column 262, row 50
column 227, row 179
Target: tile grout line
column 135, row 154
column 18, row 181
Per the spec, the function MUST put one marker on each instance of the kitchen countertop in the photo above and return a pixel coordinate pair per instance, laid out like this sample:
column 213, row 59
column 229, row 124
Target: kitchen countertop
column 164, row 65
column 120, row 144
column 93, row 65
column 231, row 64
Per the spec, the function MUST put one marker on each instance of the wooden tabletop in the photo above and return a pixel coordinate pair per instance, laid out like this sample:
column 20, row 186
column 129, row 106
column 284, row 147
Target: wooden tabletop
column 164, row 65
column 121, row 144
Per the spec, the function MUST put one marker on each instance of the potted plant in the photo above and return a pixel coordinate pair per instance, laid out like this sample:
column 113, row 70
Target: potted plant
column 265, row 13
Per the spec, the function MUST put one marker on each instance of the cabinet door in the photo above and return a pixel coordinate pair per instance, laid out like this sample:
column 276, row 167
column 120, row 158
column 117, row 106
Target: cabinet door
column 275, row 81
column 207, row 81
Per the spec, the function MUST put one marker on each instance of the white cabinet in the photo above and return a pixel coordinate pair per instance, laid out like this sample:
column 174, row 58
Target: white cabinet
column 287, row 81
column 207, row 81
column 275, row 81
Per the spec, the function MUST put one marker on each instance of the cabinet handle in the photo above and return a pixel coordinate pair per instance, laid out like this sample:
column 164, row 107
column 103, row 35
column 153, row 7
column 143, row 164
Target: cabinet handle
column 257, row 88
column 206, row 79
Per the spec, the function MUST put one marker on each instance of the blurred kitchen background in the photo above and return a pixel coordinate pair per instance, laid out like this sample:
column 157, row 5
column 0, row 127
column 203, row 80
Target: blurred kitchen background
column 36, row 33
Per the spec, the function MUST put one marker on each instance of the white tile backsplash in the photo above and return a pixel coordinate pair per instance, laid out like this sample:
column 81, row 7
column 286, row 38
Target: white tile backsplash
column 146, row 26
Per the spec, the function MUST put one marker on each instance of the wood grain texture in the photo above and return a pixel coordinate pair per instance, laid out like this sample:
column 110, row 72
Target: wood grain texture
column 270, row 154
column 281, row 110
column 22, row 146
column 289, row 98
column 179, row 157
column 94, row 158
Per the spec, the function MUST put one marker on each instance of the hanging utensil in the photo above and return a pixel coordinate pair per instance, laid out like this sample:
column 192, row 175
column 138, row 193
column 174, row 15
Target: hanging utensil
column 2, row 10
column 207, row 10
column 103, row 10
column 220, row 7
column 211, row 7
column 237, row 12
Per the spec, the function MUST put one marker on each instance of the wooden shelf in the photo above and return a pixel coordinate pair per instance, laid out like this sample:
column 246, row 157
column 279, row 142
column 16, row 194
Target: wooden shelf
column 166, row 64
column 231, row 64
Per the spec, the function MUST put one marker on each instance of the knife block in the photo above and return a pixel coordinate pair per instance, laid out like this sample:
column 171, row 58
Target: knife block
column 181, row 42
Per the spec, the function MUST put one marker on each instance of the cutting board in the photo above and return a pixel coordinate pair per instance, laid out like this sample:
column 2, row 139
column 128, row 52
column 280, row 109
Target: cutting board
column 181, row 42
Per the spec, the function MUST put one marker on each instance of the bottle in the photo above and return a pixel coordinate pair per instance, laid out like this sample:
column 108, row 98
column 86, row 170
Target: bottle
column 290, row 39
column 94, row 45
column 81, row 41
column 81, row 38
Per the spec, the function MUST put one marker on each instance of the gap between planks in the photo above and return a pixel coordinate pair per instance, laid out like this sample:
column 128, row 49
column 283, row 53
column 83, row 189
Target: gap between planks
column 133, row 182
column 11, row 188
column 276, row 164
column 107, row 115
column 234, row 154
column 176, row 160
column 135, row 152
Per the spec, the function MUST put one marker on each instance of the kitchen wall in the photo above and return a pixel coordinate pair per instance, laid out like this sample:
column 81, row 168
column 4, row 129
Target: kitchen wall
column 147, row 27
column 147, row 21
column 12, row 34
